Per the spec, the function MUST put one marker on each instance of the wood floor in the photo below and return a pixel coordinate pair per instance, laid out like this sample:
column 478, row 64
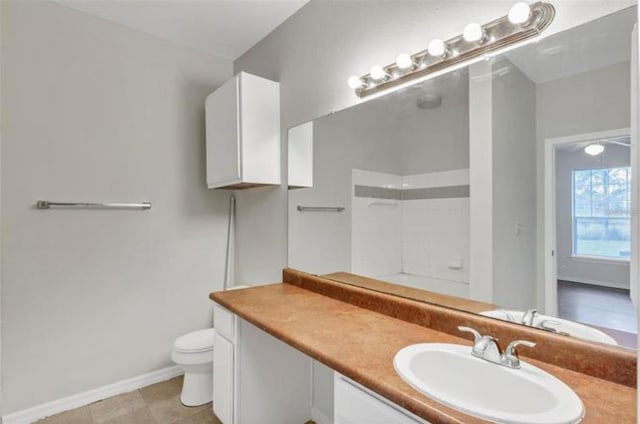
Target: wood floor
column 155, row 404
column 608, row 309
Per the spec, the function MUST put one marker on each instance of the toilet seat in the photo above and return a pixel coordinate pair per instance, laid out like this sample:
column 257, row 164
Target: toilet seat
column 195, row 342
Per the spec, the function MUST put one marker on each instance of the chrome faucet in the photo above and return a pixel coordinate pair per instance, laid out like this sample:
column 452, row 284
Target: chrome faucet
column 528, row 317
column 486, row 347
column 510, row 357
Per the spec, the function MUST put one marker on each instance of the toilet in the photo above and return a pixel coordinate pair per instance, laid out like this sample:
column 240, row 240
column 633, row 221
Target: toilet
column 193, row 352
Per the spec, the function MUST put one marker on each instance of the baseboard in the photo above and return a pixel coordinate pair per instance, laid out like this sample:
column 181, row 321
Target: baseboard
column 594, row 282
column 43, row 410
column 318, row 417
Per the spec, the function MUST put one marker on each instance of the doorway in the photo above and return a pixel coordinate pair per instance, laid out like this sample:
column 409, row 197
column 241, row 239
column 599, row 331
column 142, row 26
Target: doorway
column 588, row 236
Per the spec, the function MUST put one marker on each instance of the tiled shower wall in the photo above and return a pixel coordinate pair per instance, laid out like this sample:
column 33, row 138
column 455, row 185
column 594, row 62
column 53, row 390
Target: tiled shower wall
column 414, row 224
column 376, row 224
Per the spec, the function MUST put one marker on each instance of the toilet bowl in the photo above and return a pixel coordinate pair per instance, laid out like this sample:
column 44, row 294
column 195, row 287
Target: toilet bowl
column 193, row 352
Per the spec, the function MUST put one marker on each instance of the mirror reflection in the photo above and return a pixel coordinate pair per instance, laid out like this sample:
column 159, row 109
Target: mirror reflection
column 506, row 188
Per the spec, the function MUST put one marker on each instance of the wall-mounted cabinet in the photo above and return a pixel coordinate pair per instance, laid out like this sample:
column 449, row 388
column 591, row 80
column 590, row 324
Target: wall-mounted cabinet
column 300, row 162
column 243, row 133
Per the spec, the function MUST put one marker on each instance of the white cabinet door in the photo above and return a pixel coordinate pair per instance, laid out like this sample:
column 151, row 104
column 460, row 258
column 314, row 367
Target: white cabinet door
column 243, row 133
column 260, row 129
column 354, row 405
column 223, row 358
column 223, row 137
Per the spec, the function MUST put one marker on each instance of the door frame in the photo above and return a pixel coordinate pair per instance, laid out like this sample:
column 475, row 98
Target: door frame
column 550, row 245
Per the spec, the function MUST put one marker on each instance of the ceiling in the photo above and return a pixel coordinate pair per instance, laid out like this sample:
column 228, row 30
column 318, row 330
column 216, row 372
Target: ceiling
column 224, row 28
column 597, row 44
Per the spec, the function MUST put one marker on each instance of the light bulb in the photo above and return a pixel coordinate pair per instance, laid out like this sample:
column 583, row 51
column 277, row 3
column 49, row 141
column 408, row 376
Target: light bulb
column 594, row 149
column 519, row 13
column 404, row 61
column 378, row 73
column 473, row 32
column 436, row 48
column 354, row 82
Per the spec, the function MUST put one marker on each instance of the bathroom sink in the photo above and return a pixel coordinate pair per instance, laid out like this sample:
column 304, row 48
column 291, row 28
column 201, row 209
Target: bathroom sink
column 449, row 374
column 571, row 328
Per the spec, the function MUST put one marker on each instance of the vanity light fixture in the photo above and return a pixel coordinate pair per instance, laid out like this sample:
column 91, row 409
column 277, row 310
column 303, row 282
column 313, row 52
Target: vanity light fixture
column 594, row 149
column 519, row 13
column 437, row 48
column 404, row 62
column 378, row 73
column 523, row 22
column 474, row 33
column 355, row 82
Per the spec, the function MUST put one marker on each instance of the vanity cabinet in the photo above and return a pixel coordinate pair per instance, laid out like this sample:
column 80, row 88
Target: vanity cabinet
column 354, row 404
column 256, row 377
column 243, row 133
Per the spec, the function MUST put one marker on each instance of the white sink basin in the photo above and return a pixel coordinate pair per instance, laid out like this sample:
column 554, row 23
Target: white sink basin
column 572, row 328
column 449, row 374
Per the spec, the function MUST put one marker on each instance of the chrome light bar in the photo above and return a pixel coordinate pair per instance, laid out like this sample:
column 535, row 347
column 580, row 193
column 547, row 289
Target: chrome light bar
column 523, row 22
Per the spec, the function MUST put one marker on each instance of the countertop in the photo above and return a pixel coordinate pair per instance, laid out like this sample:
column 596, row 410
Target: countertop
column 360, row 344
column 411, row 293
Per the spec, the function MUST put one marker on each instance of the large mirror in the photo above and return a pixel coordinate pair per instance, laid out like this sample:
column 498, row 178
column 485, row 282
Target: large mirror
column 505, row 188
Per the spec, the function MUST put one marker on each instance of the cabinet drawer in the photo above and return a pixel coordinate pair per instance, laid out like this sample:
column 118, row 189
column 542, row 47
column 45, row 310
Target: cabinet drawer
column 224, row 322
column 355, row 405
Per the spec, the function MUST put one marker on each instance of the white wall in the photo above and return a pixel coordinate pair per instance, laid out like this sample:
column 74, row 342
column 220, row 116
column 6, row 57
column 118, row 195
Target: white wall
column 514, row 190
column 313, row 53
column 614, row 273
column 376, row 226
column 592, row 101
column 434, row 140
column 94, row 111
column 362, row 138
column 435, row 232
column 481, row 177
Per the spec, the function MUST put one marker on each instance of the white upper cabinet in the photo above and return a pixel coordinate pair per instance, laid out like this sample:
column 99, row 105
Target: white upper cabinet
column 243, row 133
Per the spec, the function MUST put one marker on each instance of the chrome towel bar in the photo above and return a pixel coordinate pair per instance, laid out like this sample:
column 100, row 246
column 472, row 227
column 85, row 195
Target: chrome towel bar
column 320, row 208
column 45, row 204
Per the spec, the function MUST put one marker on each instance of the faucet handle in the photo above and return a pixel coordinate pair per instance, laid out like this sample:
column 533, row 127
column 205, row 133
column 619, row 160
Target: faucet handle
column 510, row 358
column 529, row 316
column 511, row 347
column 546, row 324
column 476, row 334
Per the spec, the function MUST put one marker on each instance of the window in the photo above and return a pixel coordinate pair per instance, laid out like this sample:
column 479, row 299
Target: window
column 602, row 212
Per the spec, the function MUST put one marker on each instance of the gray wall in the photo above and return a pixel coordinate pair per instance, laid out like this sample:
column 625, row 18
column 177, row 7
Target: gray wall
column 592, row 101
column 94, row 111
column 362, row 138
column 313, row 53
column 514, row 189
column 433, row 140
column 614, row 273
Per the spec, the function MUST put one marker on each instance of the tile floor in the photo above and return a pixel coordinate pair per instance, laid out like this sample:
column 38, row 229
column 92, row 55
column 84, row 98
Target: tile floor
column 155, row 404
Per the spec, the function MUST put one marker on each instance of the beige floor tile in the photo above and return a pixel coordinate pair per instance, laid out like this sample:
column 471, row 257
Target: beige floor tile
column 202, row 417
column 75, row 416
column 141, row 416
column 170, row 411
column 116, row 406
column 162, row 391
